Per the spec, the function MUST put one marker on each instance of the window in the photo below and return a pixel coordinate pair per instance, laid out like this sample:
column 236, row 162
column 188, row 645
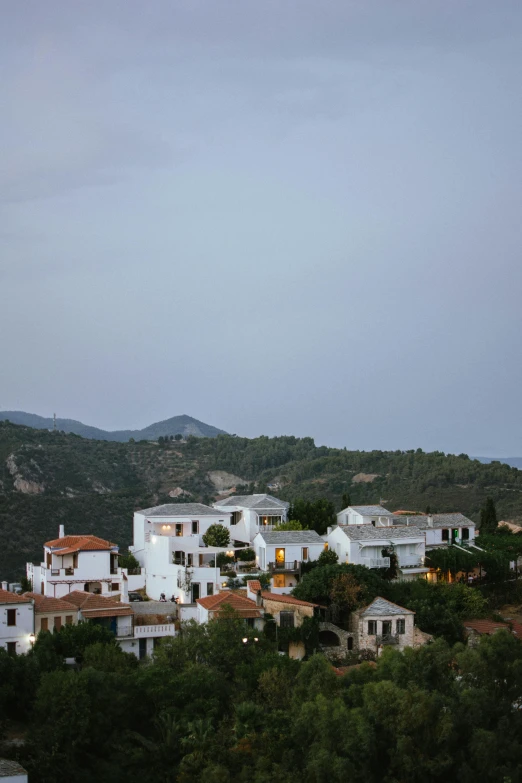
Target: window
column 11, row 648
column 278, row 580
column 44, row 624
column 455, row 533
column 286, row 619
column 465, row 533
column 11, row 617
column 445, row 534
column 195, row 526
column 179, row 530
column 210, row 588
column 69, row 619
column 179, row 558
column 372, row 627
column 373, row 522
column 57, row 623
column 115, row 586
column 401, row 625
column 386, row 627
column 189, row 559
column 350, row 642
column 304, row 554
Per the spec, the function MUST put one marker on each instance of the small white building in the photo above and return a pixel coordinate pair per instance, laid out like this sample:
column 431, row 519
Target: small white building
column 372, row 546
column 282, row 553
column 16, row 622
column 441, row 529
column 83, row 562
column 251, row 514
column 168, row 543
column 12, row 772
column 365, row 515
column 214, row 606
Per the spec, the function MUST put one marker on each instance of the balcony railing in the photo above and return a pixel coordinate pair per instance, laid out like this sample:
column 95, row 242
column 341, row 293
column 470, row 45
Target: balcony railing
column 410, row 561
column 146, row 631
column 387, row 639
column 292, row 565
column 376, row 562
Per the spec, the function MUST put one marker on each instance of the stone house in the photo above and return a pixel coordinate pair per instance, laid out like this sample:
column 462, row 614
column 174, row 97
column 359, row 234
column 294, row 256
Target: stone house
column 52, row 613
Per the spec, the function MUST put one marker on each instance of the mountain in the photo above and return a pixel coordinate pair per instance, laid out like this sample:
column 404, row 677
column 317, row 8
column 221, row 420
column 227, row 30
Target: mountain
column 515, row 462
column 94, row 486
column 177, row 425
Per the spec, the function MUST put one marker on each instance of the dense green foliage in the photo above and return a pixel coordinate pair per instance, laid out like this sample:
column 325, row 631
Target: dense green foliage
column 48, row 478
column 212, row 708
column 488, row 516
column 217, row 535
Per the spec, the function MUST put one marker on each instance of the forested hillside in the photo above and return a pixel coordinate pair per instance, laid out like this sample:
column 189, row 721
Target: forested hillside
column 48, row 478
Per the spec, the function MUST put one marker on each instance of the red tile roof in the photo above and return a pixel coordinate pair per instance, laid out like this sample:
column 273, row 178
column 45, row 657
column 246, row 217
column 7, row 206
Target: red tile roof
column 215, row 603
column 109, row 611
column 45, row 603
column 69, row 544
column 489, row 627
column 286, row 599
column 90, row 601
column 254, row 585
column 6, row 597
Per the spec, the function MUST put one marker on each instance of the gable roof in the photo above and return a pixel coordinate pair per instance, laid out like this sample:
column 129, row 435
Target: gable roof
column 381, row 606
column 254, row 585
column 240, row 603
column 10, row 769
column 180, row 510
column 439, row 520
column 369, row 511
column 285, row 599
column 7, row 597
column 45, row 603
column 69, row 544
column 489, row 627
column 368, row 532
column 261, row 502
column 89, row 603
column 281, row 537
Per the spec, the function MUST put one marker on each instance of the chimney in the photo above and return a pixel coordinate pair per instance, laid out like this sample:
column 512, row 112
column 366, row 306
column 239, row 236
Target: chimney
column 5, row 586
column 259, row 599
column 430, row 520
column 61, row 531
column 124, row 597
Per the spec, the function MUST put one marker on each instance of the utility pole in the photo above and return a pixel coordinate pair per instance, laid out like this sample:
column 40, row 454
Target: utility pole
column 54, row 422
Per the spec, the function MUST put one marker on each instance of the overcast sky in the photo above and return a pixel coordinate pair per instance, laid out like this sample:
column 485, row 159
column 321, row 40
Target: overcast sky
column 280, row 217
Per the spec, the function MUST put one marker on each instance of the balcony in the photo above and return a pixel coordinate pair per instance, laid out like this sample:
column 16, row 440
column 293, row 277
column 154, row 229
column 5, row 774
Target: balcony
column 148, row 631
column 375, row 562
column 387, row 639
column 294, row 566
column 410, row 561
column 266, row 528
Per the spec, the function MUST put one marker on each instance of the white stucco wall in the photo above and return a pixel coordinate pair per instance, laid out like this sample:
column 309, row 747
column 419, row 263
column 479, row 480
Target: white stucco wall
column 20, row 632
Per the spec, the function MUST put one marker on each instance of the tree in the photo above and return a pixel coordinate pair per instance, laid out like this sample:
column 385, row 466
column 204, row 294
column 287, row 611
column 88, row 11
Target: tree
column 488, row 517
column 128, row 561
column 178, row 436
column 217, row 536
column 346, row 500
column 315, row 515
column 327, row 557
column 345, row 593
column 291, row 524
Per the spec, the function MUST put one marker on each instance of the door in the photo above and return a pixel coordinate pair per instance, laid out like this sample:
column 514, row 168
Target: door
column 143, row 648
column 195, row 592
column 280, row 556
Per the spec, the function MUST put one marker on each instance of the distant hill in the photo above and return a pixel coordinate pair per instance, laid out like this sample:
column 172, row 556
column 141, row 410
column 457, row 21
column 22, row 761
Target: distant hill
column 93, row 486
column 515, row 462
column 177, row 425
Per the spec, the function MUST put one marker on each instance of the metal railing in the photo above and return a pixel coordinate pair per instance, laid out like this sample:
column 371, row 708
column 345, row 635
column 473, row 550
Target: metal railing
column 292, row 565
column 376, row 562
column 410, row 561
column 146, row 631
column 387, row 639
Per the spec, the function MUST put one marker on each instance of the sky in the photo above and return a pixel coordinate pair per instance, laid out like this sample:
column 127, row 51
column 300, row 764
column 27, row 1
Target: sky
column 283, row 217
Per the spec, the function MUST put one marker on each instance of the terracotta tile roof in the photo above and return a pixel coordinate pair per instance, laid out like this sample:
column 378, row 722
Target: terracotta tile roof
column 69, row 544
column 45, row 603
column 215, row 603
column 89, row 601
column 109, row 611
column 285, row 599
column 254, row 585
column 489, row 627
column 6, row 597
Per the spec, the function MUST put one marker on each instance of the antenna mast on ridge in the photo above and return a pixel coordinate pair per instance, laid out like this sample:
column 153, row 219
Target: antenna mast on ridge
column 54, row 422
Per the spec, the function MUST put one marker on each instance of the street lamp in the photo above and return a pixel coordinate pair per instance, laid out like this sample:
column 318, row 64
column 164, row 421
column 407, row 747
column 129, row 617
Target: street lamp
column 32, row 639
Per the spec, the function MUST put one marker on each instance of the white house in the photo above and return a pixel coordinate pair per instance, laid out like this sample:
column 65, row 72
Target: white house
column 368, row 546
column 82, row 562
column 281, row 553
column 213, row 606
column 16, row 622
column 441, row 529
column 250, row 514
column 12, row 772
column 168, row 543
column 365, row 515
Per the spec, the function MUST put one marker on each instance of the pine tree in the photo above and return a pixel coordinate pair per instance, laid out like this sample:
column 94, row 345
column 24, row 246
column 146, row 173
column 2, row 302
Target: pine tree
column 346, row 500
column 488, row 517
